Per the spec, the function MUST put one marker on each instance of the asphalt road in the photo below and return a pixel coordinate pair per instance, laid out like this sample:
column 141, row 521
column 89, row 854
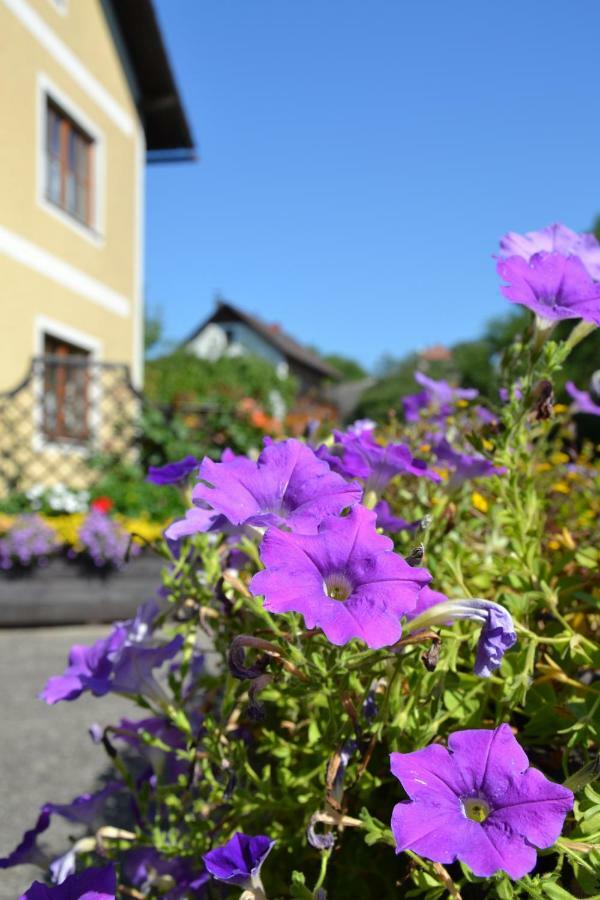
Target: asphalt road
column 45, row 751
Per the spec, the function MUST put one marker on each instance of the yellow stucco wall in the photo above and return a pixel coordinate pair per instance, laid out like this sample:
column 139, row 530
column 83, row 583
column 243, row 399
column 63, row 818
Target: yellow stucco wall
column 111, row 257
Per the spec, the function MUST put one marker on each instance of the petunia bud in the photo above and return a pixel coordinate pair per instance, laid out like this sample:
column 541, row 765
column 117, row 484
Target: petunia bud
column 497, row 634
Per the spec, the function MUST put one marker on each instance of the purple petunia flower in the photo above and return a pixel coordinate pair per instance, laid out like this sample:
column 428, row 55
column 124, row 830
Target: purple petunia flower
column 486, row 416
column 91, row 884
column 86, row 810
column 345, row 579
column 443, row 393
column 173, row 473
column 465, row 465
column 162, row 761
column 477, row 801
column 583, row 401
column 553, row 286
column 361, row 456
column 497, row 631
column 239, row 861
column 389, row 522
column 144, row 866
column 113, row 664
column 554, row 238
column 288, row 485
column 413, row 404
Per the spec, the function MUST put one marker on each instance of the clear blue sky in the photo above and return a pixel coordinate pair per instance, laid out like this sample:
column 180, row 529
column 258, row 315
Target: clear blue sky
column 361, row 158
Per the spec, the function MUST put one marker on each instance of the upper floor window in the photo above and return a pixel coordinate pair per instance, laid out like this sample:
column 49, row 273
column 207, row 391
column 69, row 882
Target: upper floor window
column 69, row 165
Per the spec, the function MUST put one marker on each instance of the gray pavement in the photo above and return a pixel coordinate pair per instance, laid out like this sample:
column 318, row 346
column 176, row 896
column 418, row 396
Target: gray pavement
column 45, row 751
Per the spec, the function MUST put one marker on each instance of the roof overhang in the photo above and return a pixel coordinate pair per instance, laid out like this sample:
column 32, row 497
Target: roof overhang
column 168, row 134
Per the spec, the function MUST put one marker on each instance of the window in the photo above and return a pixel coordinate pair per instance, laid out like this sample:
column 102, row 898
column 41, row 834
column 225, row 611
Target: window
column 69, row 165
column 66, row 400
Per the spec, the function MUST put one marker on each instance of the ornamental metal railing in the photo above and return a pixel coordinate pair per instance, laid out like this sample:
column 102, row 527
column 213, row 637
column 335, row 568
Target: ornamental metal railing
column 66, row 412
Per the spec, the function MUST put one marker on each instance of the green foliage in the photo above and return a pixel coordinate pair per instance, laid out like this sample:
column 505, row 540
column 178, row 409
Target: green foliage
column 268, row 751
column 181, row 376
column 350, row 369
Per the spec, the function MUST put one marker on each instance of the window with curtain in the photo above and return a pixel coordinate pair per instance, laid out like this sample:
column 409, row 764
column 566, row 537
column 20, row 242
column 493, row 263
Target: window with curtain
column 69, row 158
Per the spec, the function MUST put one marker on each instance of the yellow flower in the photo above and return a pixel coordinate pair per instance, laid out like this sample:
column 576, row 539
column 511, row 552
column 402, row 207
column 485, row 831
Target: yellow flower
column 560, row 408
column 5, row 522
column 560, row 487
column 554, row 545
column 479, row 502
column 487, row 444
column 558, row 458
column 66, row 527
column 425, row 448
column 443, row 473
column 543, row 467
column 462, row 403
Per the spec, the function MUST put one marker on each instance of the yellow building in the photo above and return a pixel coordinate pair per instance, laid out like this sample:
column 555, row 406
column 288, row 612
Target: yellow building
column 86, row 97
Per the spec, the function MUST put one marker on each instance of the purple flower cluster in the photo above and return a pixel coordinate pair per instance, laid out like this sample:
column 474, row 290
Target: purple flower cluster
column 360, row 456
column 104, row 541
column 437, row 395
column 29, row 542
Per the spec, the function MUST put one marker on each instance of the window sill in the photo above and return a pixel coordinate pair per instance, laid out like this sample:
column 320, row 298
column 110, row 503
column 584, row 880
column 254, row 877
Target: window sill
column 85, row 231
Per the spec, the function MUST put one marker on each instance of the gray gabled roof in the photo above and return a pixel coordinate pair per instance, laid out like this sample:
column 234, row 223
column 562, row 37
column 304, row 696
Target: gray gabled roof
column 227, row 312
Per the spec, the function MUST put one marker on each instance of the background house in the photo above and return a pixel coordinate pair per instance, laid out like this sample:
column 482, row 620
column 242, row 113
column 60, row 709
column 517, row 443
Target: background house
column 230, row 331
column 88, row 97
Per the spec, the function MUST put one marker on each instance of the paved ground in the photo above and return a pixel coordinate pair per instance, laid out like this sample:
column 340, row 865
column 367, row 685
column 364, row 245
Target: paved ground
column 45, row 751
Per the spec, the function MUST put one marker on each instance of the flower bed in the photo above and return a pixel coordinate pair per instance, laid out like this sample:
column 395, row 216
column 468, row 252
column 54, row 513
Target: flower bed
column 405, row 622
column 75, row 568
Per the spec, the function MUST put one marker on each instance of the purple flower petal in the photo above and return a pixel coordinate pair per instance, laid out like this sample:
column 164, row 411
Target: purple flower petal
column 583, row 401
column 554, row 238
column 288, row 485
column 91, row 884
column 173, row 473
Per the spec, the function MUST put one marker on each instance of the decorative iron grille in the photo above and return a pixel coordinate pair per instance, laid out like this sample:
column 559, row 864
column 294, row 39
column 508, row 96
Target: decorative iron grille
column 66, row 411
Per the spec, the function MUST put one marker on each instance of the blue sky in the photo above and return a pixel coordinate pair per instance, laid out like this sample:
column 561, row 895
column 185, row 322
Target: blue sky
column 361, row 158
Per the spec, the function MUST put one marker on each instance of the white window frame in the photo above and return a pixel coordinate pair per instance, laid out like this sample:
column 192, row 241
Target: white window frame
column 45, row 326
column 48, row 91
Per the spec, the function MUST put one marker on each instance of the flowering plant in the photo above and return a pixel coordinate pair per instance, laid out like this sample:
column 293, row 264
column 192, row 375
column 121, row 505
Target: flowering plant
column 369, row 671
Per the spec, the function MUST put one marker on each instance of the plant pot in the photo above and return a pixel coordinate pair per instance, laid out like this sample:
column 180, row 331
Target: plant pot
column 66, row 592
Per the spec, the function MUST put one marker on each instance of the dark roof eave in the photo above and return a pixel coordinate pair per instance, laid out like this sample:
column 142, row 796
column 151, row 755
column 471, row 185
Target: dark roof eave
column 161, row 108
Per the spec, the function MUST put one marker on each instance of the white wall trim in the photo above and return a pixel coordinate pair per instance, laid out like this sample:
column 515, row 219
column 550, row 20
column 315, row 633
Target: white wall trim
column 47, row 89
column 43, row 325
column 65, row 57
column 33, row 257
